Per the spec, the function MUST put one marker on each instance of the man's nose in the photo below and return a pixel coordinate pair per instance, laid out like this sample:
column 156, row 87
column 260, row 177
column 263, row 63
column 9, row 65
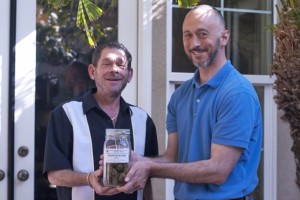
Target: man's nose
column 196, row 41
column 115, row 68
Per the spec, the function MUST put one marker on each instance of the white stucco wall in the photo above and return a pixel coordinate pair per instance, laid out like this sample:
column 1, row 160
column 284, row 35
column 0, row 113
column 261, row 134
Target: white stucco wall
column 286, row 174
column 159, row 83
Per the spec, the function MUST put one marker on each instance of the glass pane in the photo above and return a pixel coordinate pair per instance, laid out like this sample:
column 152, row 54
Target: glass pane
column 180, row 62
column 60, row 42
column 250, row 46
column 259, row 191
column 249, row 4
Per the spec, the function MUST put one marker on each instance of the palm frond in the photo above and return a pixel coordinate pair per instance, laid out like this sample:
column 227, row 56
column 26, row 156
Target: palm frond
column 93, row 11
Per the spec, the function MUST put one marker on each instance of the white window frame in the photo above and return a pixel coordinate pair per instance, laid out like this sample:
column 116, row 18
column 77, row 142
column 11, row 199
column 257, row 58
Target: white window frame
column 135, row 20
column 270, row 114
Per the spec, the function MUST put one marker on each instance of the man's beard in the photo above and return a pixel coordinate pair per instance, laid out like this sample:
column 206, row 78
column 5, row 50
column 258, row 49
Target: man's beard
column 211, row 57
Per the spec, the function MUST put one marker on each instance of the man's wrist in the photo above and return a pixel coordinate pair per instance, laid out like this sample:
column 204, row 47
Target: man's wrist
column 88, row 179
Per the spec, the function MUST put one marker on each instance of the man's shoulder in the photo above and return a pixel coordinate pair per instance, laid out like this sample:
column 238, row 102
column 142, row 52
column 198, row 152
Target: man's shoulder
column 184, row 90
column 136, row 109
column 61, row 106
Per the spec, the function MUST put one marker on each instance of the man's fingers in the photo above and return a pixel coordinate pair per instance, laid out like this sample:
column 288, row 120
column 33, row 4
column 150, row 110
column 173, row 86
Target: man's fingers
column 107, row 191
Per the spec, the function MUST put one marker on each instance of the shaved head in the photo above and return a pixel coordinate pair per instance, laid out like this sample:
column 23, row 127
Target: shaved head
column 208, row 11
column 204, row 36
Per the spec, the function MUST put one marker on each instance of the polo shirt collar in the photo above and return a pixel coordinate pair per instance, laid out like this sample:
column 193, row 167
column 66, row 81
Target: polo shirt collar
column 217, row 79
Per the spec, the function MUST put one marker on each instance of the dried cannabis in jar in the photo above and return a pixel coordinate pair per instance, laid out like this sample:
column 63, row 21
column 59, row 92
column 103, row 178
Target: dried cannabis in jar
column 116, row 156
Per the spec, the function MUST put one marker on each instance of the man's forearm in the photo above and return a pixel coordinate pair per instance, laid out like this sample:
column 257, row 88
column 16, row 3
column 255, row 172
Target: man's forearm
column 196, row 172
column 67, row 178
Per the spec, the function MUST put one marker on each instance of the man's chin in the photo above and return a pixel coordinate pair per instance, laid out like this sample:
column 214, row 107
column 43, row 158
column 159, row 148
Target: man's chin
column 203, row 65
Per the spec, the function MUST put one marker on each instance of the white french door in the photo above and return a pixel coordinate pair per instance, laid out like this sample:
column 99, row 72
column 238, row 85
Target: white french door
column 18, row 68
column 17, row 99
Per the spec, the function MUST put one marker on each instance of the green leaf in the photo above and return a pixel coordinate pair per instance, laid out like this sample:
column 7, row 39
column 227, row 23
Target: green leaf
column 80, row 16
column 89, row 35
column 93, row 11
column 292, row 3
column 188, row 3
column 58, row 3
column 90, row 38
column 81, row 22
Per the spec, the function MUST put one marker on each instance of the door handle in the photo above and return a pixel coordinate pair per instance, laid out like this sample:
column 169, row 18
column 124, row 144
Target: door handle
column 23, row 151
column 2, row 175
column 23, row 175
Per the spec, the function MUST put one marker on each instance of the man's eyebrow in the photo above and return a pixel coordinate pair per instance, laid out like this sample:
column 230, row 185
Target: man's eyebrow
column 121, row 59
column 106, row 59
column 199, row 29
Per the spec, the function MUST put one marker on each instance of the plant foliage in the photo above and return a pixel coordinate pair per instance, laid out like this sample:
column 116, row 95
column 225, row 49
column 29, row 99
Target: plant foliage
column 59, row 40
column 286, row 67
column 188, row 3
column 88, row 12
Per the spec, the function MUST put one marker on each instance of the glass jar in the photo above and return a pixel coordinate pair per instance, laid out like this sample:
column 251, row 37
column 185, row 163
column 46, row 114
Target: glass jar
column 116, row 152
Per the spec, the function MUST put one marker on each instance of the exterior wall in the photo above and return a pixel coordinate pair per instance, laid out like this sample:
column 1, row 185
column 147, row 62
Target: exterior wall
column 286, row 169
column 159, row 83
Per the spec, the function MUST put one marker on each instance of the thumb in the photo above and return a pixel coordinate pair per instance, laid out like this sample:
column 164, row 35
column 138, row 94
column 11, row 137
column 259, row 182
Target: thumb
column 129, row 175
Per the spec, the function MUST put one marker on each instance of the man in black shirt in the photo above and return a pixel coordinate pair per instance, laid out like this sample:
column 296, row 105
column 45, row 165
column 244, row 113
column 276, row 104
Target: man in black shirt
column 76, row 130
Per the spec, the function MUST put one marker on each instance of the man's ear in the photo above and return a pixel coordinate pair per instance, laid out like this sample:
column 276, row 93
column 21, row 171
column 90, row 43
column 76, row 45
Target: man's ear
column 225, row 37
column 130, row 74
column 91, row 70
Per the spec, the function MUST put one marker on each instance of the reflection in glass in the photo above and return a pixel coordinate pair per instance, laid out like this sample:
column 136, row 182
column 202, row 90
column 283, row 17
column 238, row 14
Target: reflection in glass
column 250, row 45
column 180, row 62
column 59, row 78
column 259, row 191
column 249, row 4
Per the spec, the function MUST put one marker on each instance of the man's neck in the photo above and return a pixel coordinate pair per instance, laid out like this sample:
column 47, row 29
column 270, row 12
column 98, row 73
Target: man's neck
column 208, row 72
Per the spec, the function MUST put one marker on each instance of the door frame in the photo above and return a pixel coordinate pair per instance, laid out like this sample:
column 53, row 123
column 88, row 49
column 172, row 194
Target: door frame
column 4, row 103
column 24, row 96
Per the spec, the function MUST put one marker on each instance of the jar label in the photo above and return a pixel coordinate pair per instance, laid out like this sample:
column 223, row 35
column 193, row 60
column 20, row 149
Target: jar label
column 116, row 155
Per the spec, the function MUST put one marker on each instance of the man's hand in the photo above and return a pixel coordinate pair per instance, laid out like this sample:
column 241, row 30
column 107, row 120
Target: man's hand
column 95, row 181
column 137, row 177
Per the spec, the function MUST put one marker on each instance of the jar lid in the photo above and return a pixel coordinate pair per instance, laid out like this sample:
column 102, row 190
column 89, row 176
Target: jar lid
column 117, row 132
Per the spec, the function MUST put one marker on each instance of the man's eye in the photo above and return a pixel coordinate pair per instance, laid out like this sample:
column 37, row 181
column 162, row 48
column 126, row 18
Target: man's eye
column 202, row 34
column 187, row 35
column 121, row 65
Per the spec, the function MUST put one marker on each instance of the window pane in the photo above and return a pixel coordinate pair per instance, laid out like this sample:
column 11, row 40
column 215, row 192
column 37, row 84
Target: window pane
column 180, row 62
column 250, row 45
column 59, row 42
column 259, row 190
column 249, row 4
